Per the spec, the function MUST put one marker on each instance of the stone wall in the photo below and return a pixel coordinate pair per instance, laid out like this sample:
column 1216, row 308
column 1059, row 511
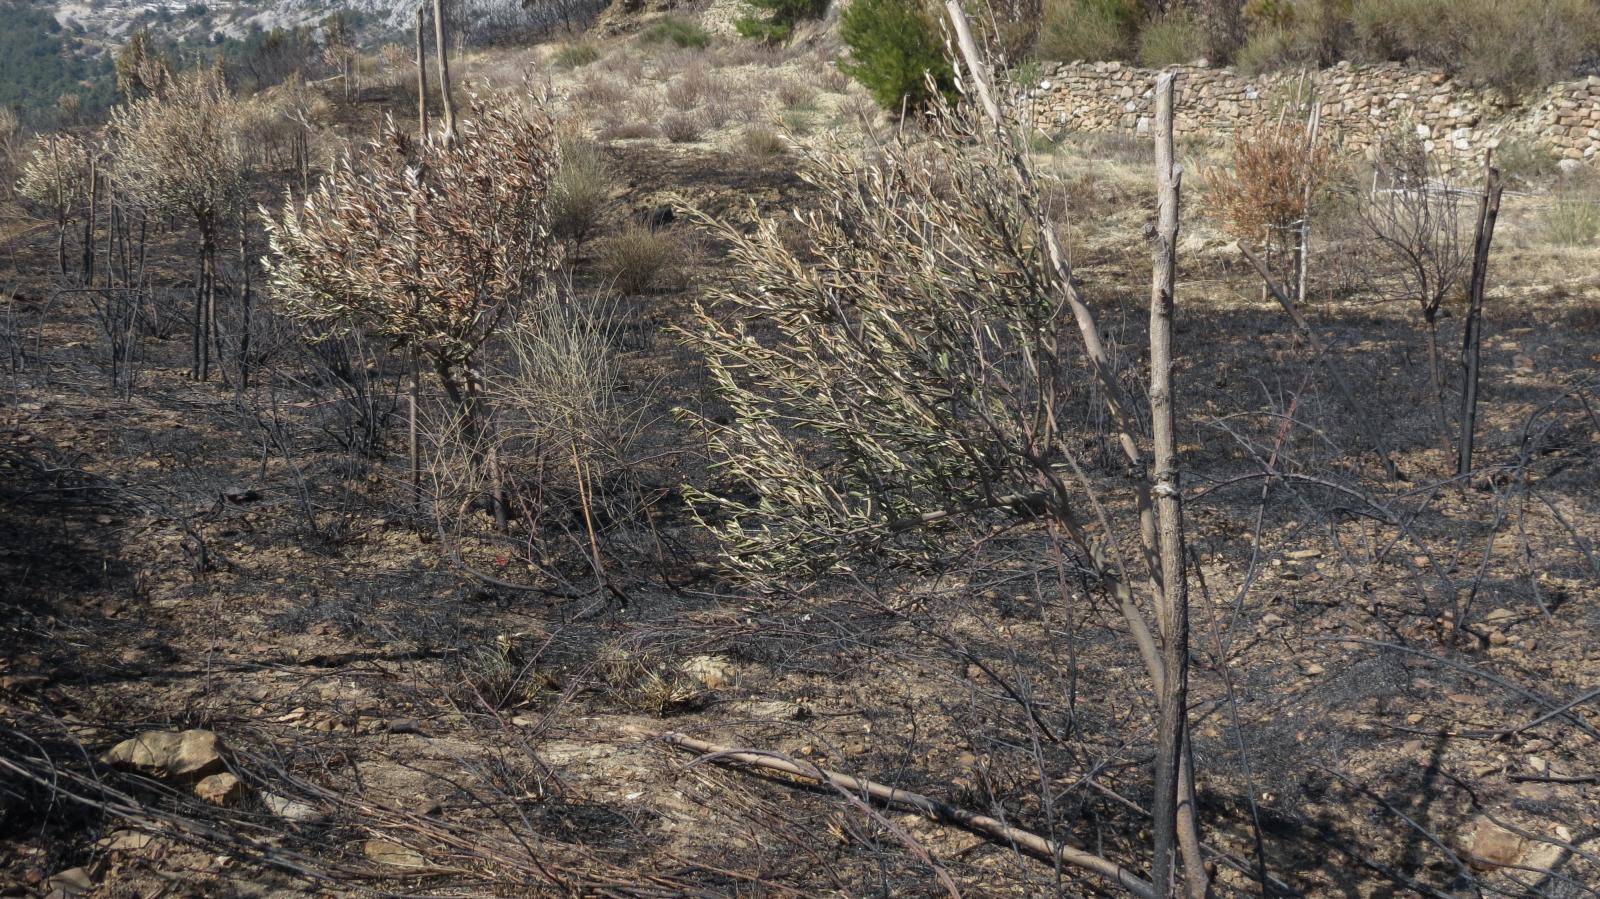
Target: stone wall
column 1359, row 102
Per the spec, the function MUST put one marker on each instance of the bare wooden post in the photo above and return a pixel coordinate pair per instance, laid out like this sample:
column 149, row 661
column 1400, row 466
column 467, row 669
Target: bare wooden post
column 1488, row 211
column 1174, row 611
column 245, row 299
column 413, row 448
column 1303, row 253
column 88, row 222
column 422, row 70
column 443, row 55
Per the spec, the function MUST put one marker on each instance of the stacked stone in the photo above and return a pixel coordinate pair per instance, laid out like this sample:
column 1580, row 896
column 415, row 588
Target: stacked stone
column 1569, row 118
column 1360, row 103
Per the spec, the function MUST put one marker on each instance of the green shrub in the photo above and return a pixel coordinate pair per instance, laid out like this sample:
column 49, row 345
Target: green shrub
column 1574, row 219
column 1525, row 163
column 581, row 192
column 576, row 55
column 1086, row 29
column 895, row 47
column 677, row 31
column 774, row 20
column 1514, row 45
column 1284, row 35
column 1172, row 39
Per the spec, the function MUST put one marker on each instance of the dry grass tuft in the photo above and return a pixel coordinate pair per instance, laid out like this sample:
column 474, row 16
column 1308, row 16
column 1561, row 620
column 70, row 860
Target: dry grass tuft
column 641, row 260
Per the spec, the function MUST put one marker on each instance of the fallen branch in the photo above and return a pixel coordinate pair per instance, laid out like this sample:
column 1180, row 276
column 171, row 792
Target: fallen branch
column 935, row 810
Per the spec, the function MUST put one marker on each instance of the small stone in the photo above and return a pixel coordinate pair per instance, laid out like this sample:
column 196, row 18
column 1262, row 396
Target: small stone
column 1493, row 846
column 189, row 755
column 220, row 789
column 126, row 841
column 393, row 855
column 712, row 671
column 291, row 809
column 71, row 882
column 1315, row 669
column 240, row 494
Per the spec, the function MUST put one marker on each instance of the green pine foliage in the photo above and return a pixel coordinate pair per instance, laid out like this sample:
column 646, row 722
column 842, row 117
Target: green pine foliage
column 774, row 20
column 895, row 46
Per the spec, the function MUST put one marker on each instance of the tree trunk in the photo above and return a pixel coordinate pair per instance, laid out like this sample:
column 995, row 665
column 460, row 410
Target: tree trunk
column 1430, row 320
column 444, row 71
column 422, row 82
column 1174, row 610
column 244, row 302
column 1488, row 211
column 88, row 224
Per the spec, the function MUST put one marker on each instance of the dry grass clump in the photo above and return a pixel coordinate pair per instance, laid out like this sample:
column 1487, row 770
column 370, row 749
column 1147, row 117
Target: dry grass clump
column 697, row 85
column 596, row 92
column 624, row 65
column 750, row 53
column 639, row 259
column 575, row 55
column 797, row 93
column 634, row 120
column 762, row 142
column 677, row 32
column 797, row 122
column 830, row 79
column 628, row 129
column 683, row 127
column 647, row 682
column 581, row 193
column 1573, row 220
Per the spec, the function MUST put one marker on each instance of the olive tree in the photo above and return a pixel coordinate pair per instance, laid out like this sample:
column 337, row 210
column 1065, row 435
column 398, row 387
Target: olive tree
column 432, row 244
column 56, row 178
column 913, row 357
column 179, row 153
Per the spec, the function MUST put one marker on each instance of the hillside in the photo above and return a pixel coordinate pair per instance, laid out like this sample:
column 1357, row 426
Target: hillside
column 769, row 443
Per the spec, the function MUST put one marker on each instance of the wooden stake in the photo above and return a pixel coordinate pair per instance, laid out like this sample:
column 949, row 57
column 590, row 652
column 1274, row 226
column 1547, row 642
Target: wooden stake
column 1173, row 614
column 1488, row 211
column 443, row 55
column 422, row 70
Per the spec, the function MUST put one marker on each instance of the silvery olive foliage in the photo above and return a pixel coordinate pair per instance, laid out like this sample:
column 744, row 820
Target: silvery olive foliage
column 430, row 242
column 896, row 361
column 179, row 152
column 56, row 175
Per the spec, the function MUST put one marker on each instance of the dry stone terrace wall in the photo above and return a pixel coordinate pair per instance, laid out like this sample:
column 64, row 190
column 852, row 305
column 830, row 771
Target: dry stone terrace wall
column 1458, row 122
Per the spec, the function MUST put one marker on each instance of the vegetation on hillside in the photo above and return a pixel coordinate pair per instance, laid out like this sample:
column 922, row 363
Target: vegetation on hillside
column 1515, row 45
column 42, row 64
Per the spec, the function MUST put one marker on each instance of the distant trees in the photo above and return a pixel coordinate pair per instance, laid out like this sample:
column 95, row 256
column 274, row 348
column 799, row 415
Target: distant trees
column 339, row 50
column 179, row 153
column 775, row 20
column 142, row 69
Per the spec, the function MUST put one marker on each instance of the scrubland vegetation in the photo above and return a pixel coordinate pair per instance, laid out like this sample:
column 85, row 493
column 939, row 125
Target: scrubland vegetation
column 741, row 457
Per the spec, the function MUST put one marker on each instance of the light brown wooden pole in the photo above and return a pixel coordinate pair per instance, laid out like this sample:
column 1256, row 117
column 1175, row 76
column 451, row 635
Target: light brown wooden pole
column 443, row 55
column 422, row 70
column 1173, row 614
